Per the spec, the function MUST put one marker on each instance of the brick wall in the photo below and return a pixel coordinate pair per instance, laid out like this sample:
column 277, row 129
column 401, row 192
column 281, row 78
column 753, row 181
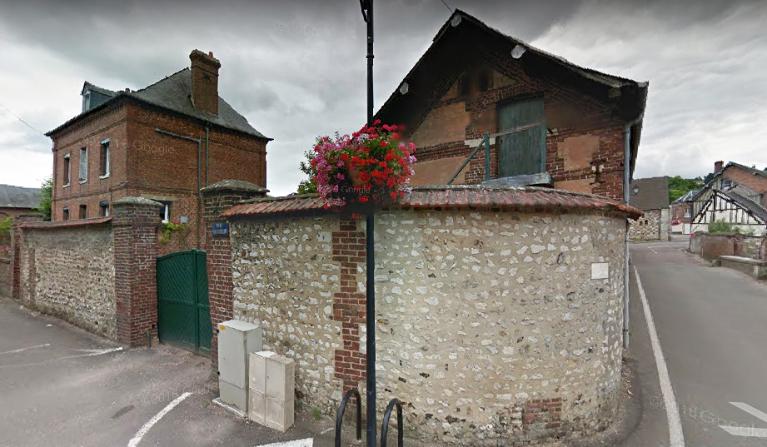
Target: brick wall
column 484, row 319
column 585, row 134
column 217, row 198
column 146, row 163
column 135, row 225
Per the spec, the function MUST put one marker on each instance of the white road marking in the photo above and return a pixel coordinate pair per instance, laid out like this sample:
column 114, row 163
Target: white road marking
column 308, row 442
column 750, row 432
column 14, row 351
column 88, row 353
column 675, row 434
column 143, row 431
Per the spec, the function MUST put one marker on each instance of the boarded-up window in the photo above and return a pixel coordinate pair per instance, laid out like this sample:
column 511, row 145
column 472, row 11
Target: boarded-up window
column 523, row 150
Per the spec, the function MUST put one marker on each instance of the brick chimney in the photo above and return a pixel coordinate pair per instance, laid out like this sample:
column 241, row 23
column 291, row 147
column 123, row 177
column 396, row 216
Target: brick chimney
column 718, row 166
column 205, row 81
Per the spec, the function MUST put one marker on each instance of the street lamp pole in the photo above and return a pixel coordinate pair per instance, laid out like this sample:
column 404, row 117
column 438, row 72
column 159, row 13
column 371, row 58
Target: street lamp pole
column 370, row 297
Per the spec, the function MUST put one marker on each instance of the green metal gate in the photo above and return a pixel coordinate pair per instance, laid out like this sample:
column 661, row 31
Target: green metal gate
column 183, row 316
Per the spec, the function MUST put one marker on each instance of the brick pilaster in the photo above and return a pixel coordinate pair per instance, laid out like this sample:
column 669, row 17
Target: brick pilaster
column 349, row 303
column 217, row 198
column 135, row 225
column 17, row 243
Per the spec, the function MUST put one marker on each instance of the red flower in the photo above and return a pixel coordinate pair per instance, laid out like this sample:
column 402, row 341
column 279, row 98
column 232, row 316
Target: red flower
column 363, row 199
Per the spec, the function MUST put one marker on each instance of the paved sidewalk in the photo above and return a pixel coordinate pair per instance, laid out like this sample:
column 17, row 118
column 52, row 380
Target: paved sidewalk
column 62, row 386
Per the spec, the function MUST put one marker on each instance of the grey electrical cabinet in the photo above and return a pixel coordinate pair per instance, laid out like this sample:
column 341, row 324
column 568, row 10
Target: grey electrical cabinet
column 236, row 340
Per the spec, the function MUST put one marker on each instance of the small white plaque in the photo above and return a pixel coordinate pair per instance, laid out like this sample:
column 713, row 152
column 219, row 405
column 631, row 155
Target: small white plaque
column 600, row 270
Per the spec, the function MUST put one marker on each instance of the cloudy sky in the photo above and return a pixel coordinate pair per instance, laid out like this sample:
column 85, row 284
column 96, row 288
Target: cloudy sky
column 297, row 69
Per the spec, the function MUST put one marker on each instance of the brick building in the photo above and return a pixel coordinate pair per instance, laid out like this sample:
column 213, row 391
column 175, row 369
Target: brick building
column 17, row 201
column 549, row 122
column 164, row 142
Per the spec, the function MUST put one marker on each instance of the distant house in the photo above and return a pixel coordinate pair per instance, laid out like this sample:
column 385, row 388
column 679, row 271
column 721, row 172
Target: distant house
column 681, row 212
column 164, row 142
column 651, row 196
column 736, row 194
column 17, row 200
column 549, row 122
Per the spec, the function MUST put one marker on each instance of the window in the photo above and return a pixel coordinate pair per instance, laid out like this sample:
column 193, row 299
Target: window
column 83, row 212
column 65, row 214
column 104, row 208
column 165, row 211
column 104, row 160
column 522, row 126
column 66, row 177
column 484, row 80
column 83, row 174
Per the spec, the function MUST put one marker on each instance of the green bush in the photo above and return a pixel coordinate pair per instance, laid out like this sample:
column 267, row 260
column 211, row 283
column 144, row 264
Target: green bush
column 720, row 227
column 5, row 229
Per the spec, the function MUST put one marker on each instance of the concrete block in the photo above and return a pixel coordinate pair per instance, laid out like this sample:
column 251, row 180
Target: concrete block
column 257, row 407
column 279, row 414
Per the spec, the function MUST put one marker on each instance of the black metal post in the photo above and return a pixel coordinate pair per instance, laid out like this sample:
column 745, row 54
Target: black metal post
column 370, row 296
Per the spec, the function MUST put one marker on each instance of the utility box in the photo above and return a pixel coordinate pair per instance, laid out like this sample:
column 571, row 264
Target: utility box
column 272, row 384
column 236, row 340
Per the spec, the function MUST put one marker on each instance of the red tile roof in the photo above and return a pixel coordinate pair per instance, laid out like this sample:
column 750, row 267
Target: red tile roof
column 531, row 199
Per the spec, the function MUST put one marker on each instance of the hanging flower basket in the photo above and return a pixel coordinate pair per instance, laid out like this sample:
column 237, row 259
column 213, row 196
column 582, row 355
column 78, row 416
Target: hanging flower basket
column 372, row 166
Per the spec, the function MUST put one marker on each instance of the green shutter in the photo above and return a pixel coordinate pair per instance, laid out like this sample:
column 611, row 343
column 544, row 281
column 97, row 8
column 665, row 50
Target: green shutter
column 522, row 152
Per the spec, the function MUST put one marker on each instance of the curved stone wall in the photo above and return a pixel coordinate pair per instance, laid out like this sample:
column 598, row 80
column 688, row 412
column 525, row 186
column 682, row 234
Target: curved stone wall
column 493, row 327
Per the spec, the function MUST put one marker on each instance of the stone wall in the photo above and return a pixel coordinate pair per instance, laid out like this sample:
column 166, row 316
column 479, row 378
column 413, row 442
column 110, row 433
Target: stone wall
column 711, row 246
column 647, row 227
column 5, row 276
column 69, row 272
column 492, row 326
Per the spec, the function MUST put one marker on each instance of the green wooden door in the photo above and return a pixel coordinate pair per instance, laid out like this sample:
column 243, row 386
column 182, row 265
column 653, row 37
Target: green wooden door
column 524, row 151
column 183, row 317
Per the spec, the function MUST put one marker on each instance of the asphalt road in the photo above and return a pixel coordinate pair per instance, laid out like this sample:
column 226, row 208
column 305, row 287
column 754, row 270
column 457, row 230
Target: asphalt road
column 60, row 386
column 712, row 328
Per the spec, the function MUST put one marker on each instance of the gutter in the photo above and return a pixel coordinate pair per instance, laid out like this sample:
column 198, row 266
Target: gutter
column 626, row 197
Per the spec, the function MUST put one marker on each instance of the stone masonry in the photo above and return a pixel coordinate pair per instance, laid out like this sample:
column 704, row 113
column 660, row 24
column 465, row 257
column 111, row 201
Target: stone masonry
column 69, row 272
column 493, row 327
column 647, row 227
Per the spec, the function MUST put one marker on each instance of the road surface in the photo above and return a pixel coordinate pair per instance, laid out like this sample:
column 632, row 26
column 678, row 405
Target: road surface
column 711, row 325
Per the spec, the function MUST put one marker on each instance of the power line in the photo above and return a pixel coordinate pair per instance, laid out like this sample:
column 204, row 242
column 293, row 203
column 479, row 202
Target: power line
column 446, row 5
column 20, row 119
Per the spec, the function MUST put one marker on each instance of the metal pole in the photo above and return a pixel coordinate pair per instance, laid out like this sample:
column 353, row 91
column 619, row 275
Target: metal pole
column 370, row 296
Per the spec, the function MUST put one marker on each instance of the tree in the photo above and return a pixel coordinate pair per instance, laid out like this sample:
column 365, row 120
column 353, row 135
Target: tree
column 307, row 186
column 678, row 186
column 44, row 207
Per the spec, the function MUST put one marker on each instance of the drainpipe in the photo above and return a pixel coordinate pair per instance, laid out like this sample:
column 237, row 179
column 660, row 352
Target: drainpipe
column 207, row 153
column 199, row 175
column 626, row 198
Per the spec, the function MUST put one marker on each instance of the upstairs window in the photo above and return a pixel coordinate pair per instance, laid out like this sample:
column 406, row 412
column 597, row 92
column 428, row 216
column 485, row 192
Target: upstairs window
column 104, row 162
column 66, row 176
column 65, row 214
column 83, row 212
column 522, row 125
column 83, row 174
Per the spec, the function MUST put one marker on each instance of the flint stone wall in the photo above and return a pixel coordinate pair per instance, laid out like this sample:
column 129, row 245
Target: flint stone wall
column 649, row 226
column 70, row 273
column 493, row 327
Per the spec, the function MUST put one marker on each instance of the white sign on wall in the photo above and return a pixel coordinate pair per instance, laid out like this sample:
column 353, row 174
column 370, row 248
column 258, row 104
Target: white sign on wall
column 600, row 270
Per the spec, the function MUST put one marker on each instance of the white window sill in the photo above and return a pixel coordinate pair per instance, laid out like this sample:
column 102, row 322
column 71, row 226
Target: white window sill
column 83, row 181
column 65, row 185
column 102, row 177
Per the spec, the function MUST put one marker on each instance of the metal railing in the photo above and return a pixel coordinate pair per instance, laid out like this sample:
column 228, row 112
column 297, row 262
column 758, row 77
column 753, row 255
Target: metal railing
column 385, row 425
column 342, row 410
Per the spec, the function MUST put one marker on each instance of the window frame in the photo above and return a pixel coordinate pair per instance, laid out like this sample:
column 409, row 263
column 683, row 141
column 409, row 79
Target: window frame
column 82, row 211
column 67, row 174
column 104, row 208
column 105, row 167
column 80, row 177
column 65, row 213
